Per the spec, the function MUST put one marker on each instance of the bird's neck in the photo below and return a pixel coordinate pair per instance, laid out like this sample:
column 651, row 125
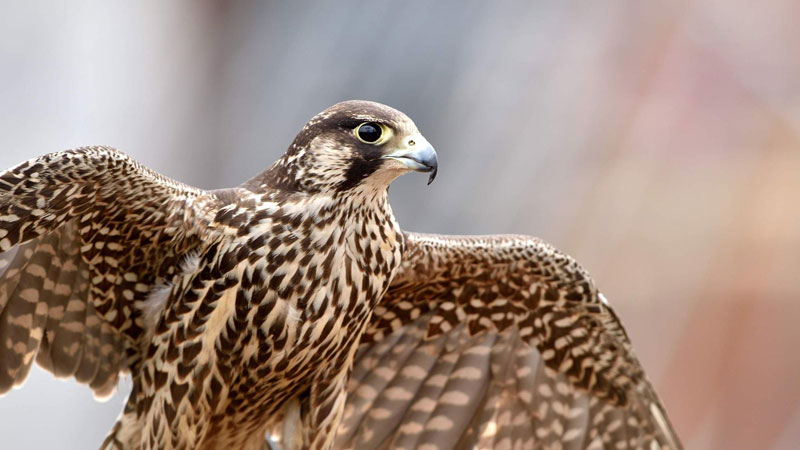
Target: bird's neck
column 282, row 175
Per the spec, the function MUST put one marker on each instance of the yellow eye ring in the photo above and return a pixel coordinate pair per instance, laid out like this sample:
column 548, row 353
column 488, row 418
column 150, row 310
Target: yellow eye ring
column 371, row 133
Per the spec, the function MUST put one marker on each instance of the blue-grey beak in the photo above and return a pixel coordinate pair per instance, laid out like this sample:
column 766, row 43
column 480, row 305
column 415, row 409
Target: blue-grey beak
column 418, row 156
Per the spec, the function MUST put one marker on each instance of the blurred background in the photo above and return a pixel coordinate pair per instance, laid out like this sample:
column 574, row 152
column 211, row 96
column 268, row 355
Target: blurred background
column 656, row 142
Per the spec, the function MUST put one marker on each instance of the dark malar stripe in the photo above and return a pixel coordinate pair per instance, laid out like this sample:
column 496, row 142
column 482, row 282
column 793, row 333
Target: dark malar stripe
column 360, row 168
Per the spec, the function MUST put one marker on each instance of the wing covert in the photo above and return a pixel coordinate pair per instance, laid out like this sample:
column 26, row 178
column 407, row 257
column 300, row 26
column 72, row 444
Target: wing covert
column 85, row 235
column 497, row 342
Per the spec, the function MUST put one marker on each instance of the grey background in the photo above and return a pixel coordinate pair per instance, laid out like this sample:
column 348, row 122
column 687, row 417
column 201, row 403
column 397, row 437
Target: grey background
column 656, row 142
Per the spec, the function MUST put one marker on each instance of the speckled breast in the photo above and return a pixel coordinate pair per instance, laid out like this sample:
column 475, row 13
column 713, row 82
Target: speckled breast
column 302, row 305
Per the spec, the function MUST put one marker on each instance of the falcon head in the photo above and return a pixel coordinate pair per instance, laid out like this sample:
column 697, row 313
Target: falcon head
column 354, row 144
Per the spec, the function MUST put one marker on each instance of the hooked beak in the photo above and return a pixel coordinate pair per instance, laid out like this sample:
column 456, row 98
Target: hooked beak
column 418, row 155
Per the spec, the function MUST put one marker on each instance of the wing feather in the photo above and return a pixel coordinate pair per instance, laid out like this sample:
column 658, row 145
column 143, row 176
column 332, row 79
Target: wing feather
column 85, row 235
column 497, row 342
column 66, row 324
column 19, row 320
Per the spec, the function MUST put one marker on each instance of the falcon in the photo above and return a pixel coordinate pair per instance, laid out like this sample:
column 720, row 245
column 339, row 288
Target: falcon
column 294, row 309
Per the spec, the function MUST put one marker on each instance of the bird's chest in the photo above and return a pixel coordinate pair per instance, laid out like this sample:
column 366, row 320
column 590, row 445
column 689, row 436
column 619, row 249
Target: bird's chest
column 304, row 332
column 335, row 308
column 317, row 297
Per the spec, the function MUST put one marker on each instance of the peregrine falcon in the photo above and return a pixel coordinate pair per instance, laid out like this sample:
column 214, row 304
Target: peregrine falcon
column 294, row 306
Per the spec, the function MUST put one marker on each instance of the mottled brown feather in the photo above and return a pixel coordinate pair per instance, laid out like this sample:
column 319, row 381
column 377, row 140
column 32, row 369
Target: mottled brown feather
column 84, row 235
column 497, row 342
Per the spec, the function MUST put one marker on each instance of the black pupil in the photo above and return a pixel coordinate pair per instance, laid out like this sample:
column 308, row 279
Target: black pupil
column 369, row 132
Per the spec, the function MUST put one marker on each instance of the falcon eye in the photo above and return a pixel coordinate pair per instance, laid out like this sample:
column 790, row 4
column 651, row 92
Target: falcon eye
column 369, row 132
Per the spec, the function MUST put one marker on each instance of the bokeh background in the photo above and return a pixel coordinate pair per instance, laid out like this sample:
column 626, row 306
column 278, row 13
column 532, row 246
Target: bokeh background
column 656, row 142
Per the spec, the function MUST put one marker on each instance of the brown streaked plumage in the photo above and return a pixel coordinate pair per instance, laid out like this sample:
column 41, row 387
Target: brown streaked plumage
column 294, row 305
column 497, row 342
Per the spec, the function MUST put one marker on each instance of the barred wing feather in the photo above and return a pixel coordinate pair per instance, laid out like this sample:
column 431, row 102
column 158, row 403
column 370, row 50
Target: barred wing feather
column 85, row 235
column 497, row 342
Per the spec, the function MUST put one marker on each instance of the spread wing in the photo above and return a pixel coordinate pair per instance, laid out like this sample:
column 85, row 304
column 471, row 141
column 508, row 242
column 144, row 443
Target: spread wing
column 497, row 342
column 85, row 235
